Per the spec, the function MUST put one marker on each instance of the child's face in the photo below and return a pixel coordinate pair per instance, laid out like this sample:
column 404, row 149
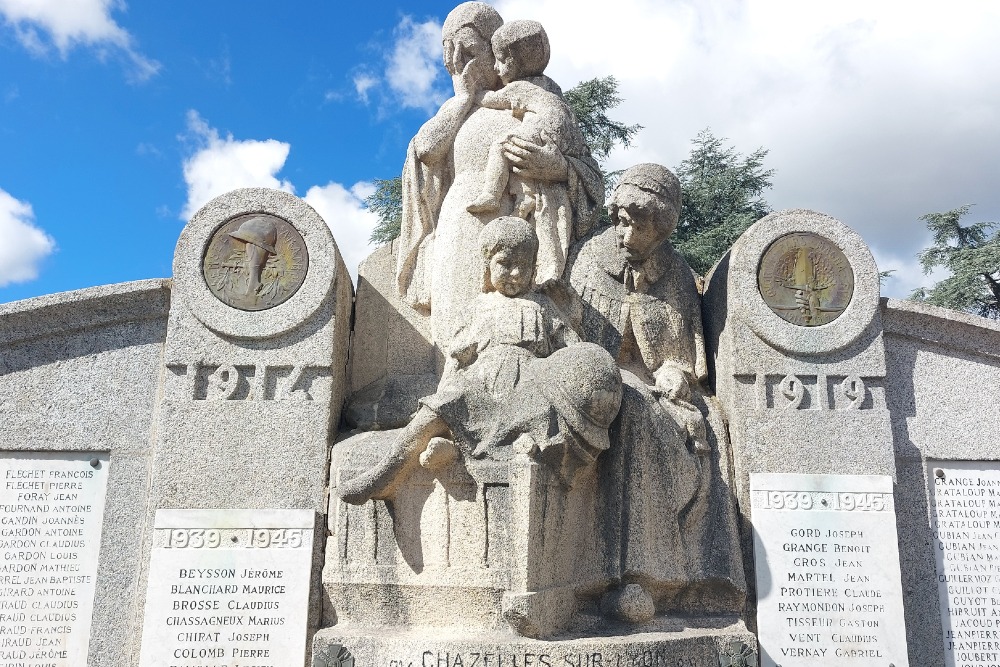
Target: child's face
column 506, row 65
column 511, row 270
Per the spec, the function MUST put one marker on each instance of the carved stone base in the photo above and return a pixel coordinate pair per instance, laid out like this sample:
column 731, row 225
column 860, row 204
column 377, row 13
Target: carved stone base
column 663, row 642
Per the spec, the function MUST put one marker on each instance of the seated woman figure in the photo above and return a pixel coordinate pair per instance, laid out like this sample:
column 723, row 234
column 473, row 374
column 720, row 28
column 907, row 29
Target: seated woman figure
column 670, row 524
column 503, row 390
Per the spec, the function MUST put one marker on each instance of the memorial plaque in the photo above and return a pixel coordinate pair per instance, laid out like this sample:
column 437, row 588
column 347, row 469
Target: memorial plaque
column 51, row 515
column 255, row 262
column 965, row 518
column 805, row 279
column 828, row 582
column 228, row 588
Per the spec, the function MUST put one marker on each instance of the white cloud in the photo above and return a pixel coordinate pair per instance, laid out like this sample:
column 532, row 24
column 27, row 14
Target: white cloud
column 411, row 74
column 875, row 113
column 24, row 245
column 68, row 23
column 351, row 223
column 413, row 68
column 362, row 84
column 907, row 274
column 220, row 164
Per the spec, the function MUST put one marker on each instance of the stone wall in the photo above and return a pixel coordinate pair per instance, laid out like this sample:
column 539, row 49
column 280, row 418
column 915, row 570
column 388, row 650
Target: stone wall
column 943, row 394
column 85, row 371
column 80, row 371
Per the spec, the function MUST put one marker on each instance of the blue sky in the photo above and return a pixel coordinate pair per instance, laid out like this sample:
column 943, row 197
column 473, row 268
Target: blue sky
column 118, row 121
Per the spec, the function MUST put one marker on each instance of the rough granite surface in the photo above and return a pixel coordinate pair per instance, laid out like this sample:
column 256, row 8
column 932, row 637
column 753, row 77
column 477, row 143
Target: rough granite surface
column 250, row 399
column 943, row 393
column 798, row 399
column 201, row 405
column 393, row 360
column 79, row 371
column 695, row 642
column 85, row 371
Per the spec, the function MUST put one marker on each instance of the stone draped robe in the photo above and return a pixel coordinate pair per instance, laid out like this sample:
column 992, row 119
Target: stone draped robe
column 668, row 518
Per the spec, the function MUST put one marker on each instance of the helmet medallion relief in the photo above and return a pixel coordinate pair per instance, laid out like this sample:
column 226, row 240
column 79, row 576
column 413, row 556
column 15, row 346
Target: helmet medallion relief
column 255, row 262
column 805, row 279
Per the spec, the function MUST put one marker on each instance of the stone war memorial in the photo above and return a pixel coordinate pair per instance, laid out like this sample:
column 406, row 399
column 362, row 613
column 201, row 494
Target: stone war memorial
column 529, row 438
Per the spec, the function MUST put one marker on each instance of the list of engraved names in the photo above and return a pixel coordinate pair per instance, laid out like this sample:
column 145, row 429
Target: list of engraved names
column 51, row 515
column 827, row 570
column 965, row 518
column 228, row 588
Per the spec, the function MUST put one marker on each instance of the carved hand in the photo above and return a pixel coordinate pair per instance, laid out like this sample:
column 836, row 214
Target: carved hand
column 468, row 82
column 671, row 382
column 456, row 56
column 528, row 159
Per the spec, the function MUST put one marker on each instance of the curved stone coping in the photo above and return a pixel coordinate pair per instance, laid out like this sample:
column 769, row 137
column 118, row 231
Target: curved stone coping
column 66, row 312
column 946, row 327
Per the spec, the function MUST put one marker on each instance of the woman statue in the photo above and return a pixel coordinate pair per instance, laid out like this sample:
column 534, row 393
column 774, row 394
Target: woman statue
column 438, row 266
column 669, row 527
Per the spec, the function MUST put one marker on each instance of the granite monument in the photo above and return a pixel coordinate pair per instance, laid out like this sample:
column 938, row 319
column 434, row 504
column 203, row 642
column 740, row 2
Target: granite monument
column 528, row 439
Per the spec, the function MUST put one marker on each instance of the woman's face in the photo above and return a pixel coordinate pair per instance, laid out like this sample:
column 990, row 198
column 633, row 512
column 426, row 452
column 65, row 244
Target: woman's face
column 462, row 46
column 639, row 233
column 640, row 223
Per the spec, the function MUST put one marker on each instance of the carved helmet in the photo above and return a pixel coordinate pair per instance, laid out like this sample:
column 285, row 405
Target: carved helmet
column 585, row 387
column 259, row 231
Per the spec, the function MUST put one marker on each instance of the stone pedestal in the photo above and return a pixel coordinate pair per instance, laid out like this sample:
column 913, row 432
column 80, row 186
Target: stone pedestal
column 489, row 546
column 796, row 353
column 253, row 364
column 695, row 642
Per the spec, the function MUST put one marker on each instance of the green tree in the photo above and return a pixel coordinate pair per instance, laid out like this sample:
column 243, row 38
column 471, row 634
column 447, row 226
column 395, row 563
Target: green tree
column 589, row 100
column 722, row 195
column 971, row 253
column 387, row 203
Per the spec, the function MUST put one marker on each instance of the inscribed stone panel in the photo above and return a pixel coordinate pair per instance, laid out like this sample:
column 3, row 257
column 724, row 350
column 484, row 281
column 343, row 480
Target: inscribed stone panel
column 51, row 516
column 827, row 561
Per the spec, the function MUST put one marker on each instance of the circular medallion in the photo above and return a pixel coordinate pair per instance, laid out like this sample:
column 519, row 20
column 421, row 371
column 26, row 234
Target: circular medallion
column 255, row 262
column 805, row 279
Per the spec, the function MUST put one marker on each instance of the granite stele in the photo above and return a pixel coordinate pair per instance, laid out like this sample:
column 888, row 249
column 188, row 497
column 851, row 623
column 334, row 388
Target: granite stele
column 530, row 439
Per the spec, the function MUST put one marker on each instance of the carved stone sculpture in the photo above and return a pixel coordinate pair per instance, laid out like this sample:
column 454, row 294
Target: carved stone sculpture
column 566, row 470
column 502, row 392
column 445, row 173
column 668, row 524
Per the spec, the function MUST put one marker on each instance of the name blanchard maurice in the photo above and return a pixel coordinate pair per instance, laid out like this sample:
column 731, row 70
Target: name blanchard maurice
column 211, row 604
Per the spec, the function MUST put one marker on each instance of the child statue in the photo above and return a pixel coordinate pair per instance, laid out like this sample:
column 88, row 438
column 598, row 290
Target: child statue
column 503, row 387
column 521, row 49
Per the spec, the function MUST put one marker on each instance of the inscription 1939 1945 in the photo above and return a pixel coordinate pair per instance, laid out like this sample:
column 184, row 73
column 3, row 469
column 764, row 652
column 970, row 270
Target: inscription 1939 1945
column 827, row 570
column 228, row 587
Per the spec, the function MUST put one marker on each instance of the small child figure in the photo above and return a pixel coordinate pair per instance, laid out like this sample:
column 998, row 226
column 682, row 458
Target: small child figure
column 521, row 49
column 673, row 386
column 477, row 404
